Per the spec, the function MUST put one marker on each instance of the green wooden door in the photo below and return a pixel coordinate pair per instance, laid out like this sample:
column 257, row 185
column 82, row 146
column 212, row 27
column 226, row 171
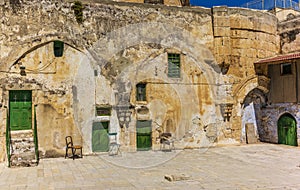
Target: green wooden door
column 287, row 130
column 20, row 107
column 143, row 135
column 100, row 139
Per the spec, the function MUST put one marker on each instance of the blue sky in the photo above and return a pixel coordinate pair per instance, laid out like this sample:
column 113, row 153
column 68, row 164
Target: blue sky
column 210, row 3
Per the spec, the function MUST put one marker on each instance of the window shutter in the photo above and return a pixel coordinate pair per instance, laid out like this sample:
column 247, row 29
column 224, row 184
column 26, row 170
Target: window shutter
column 58, row 48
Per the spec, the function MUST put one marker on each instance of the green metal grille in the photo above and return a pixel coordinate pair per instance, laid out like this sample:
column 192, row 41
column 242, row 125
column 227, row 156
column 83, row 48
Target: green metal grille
column 143, row 135
column 8, row 139
column 173, row 65
column 141, row 92
column 36, row 146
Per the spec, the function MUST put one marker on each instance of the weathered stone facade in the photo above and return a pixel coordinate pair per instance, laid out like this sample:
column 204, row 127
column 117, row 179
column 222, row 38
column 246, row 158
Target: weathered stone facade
column 270, row 112
column 119, row 45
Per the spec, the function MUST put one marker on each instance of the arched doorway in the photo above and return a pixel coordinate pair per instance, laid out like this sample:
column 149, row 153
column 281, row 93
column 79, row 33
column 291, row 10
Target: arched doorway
column 287, row 130
column 252, row 114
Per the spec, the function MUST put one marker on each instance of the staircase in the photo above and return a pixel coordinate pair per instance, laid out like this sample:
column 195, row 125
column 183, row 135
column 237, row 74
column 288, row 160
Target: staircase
column 22, row 149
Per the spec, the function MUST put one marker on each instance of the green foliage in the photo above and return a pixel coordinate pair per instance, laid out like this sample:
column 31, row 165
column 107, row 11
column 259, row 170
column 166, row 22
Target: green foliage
column 78, row 11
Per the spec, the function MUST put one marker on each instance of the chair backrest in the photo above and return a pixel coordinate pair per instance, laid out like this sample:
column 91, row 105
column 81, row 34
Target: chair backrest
column 165, row 137
column 69, row 141
column 112, row 137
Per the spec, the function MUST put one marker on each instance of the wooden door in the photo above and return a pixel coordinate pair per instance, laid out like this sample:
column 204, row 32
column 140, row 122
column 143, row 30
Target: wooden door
column 287, row 130
column 100, row 138
column 143, row 135
column 20, row 109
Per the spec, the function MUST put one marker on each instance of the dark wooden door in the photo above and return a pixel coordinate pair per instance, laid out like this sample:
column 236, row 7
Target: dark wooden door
column 287, row 130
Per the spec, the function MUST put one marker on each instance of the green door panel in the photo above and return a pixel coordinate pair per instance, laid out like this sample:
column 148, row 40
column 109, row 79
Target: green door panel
column 287, row 130
column 292, row 134
column 100, row 139
column 20, row 106
column 143, row 135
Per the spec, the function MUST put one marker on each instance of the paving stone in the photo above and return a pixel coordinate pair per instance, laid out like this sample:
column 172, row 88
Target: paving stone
column 260, row 166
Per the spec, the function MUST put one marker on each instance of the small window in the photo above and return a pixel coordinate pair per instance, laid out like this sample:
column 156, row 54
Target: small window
column 173, row 65
column 58, row 48
column 103, row 111
column 141, row 92
column 286, row 69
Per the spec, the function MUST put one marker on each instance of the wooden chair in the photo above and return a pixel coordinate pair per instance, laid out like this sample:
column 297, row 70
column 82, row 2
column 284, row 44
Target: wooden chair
column 73, row 148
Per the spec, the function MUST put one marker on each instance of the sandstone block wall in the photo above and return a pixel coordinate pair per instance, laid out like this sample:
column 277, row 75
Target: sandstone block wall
column 288, row 31
column 120, row 44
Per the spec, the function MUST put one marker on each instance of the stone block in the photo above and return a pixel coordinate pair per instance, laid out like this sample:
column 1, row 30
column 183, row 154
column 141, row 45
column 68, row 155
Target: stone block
column 236, row 52
column 246, row 24
column 177, row 177
column 261, row 53
column 250, row 133
column 222, row 31
column 220, row 11
column 236, row 43
column 222, row 41
column 223, row 50
column 235, row 22
column 222, row 22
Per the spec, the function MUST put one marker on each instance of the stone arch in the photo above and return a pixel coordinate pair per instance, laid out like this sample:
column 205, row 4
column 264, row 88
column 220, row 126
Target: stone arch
column 31, row 44
column 37, row 46
column 163, row 105
column 243, row 89
column 170, row 36
column 64, row 88
column 252, row 113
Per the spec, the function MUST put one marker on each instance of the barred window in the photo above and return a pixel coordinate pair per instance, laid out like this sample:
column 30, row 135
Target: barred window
column 141, row 92
column 173, row 65
column 103, row 111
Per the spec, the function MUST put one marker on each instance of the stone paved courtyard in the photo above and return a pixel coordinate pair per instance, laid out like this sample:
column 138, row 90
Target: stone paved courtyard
column 260, row 166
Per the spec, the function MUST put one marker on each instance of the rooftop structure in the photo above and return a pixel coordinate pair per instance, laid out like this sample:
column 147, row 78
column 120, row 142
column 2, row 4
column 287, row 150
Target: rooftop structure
column 271, row 4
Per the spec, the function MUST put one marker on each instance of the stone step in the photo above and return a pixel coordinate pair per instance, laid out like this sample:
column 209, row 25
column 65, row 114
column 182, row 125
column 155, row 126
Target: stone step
column 25, row 159
column 24, row 144
column 18, row 150
column 22, row 149
column 20, row 140
column 19, row 134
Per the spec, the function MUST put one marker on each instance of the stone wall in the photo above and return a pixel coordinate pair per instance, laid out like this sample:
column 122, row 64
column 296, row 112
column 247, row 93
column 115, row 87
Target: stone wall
column 288, row 30
column 165, row 2
column 270, row 117
column 120, row 44
column 241, row 37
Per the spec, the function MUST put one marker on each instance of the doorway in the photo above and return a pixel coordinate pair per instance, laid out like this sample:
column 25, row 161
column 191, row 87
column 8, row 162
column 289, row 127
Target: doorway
column 20, row 109
column 143, row 135
column 287, row 130
column 100, row 138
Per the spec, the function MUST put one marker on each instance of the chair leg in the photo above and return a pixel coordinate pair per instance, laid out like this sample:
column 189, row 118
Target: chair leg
column 67, row 153
column 73, row 153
